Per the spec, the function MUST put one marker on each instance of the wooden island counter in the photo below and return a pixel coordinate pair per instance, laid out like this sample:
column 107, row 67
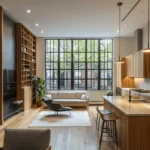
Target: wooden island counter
column 133, row 127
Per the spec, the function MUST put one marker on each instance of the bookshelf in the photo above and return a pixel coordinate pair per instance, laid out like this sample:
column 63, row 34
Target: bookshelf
column 26, row 61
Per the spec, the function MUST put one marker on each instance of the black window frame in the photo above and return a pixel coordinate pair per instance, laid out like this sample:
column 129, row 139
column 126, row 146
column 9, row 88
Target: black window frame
column 100, row 80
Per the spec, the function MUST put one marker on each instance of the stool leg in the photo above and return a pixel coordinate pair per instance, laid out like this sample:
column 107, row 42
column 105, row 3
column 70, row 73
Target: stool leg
column 111, row 128
column 107, row 127
column 116, row 133
column 101, row 136
column 97, row 121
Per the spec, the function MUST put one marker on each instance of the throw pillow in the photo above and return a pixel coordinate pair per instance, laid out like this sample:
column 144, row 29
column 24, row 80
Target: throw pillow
column 48, row 97
column 83, row 97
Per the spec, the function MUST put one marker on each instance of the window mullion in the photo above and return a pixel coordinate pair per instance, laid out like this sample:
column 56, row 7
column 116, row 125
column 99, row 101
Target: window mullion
column 99, row 65
column 72, row 66
column 86, row 86
column 59, row 64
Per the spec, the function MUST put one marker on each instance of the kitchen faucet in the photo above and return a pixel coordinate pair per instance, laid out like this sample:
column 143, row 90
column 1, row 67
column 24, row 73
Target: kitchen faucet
column 130, row 95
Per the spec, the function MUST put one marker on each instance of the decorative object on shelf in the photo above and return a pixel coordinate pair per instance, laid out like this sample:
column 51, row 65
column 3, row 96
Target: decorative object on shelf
column 18, row 102
column 109, row 93
column 119, row 59
column 25, row 50
column 40, row 90
column 148, row 48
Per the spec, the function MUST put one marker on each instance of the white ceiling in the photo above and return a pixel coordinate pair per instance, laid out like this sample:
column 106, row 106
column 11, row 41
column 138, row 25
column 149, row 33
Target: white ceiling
column 76, row 18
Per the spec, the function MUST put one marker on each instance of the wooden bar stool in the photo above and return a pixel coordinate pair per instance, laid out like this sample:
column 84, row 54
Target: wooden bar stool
column 109, row 119
column 99, row 113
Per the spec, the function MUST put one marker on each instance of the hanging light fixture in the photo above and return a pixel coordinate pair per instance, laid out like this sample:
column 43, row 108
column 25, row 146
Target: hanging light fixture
column 148, row 48
column 119, row 5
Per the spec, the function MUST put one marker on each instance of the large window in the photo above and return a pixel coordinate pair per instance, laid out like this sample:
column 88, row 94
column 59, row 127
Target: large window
column 78, row 64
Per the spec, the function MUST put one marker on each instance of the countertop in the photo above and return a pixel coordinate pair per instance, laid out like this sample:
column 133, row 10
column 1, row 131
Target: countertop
column 130, row 109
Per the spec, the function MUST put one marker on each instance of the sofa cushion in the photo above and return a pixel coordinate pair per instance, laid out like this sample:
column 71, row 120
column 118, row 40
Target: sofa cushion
column 70, row 100
column 53, row 94
column 66, row 95
column 79, row 94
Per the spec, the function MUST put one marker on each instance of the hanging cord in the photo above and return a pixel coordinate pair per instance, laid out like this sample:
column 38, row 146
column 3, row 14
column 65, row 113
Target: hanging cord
column 119, row 29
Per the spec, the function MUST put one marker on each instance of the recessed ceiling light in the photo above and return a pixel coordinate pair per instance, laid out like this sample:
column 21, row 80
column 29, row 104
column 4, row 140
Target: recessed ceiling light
column 28, row 11
column 117, row 31
column 42, row 31
column 36, row 24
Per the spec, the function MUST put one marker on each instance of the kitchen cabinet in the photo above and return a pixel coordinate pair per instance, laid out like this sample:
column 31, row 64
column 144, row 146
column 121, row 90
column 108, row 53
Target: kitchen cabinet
column 121, row 75
column 130, row 60
column 138, row 65
column 133, row 130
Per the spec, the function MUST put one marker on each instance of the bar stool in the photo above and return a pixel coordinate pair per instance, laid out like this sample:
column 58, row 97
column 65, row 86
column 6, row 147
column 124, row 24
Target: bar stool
column 109, row 119
column 99, row 113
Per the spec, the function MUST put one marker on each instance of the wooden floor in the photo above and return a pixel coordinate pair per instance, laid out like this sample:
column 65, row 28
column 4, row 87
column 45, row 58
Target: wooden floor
column 62, row 138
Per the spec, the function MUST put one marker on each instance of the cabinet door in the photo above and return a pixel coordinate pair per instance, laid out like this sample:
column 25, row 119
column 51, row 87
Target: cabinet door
column 118, row 75
column 146, row 65
column 130, row 66
column 140, row 67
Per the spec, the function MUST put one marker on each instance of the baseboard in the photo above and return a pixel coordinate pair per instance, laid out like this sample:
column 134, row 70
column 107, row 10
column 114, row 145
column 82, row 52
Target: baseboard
column 96, row 102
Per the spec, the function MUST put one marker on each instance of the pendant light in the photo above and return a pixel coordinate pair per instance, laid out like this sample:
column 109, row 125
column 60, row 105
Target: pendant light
column 148, row 48
column 119, row 5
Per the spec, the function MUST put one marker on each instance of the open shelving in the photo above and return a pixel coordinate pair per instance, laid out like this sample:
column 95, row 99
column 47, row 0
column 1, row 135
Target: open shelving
column 26, row 60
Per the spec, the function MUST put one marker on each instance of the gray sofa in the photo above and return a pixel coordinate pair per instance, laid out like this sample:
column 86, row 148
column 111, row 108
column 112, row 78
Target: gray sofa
column 26, row 139
column 70, row 98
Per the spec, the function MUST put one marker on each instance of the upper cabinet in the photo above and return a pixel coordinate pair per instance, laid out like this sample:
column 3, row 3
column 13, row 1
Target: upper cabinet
column 121, row 75
column 138, row 65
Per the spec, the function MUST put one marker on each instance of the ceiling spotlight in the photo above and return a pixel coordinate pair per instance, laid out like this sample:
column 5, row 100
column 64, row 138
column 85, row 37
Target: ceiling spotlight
column 28, row 11
column 117, row 31
column 36, row 24
column 42, row 31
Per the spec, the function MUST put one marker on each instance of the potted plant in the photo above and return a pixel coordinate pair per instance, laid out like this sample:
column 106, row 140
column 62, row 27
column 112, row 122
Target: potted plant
column 40, row 90
column 109, row 93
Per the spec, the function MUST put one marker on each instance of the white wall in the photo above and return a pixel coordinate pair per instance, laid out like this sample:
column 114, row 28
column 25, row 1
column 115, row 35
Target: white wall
column 40, row 57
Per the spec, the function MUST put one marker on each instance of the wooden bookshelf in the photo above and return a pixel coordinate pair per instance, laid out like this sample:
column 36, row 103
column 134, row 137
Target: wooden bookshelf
column 26, row 60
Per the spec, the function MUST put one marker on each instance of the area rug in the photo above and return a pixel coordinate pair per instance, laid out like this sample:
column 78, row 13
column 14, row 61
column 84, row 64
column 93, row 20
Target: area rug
column 47, row 119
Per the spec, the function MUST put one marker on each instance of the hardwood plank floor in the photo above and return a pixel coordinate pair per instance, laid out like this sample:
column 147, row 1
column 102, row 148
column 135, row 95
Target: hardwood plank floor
column 62, row 138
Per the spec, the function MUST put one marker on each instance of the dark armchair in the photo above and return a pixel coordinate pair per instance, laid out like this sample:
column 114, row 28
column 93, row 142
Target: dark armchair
column 26, row 139
column 55, row 107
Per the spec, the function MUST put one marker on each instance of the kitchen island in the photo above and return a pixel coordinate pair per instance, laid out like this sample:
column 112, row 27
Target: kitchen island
column 133, row 127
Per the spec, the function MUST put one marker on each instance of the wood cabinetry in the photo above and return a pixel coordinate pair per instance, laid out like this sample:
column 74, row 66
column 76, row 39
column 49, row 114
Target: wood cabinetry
column 133, row 131
column 130, row 65
column 26, row 62
column 122, row 80
column 138, row 65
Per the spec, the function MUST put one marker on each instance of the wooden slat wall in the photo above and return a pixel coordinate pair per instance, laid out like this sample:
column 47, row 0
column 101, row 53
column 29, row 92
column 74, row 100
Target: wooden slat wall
column 1, row 65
